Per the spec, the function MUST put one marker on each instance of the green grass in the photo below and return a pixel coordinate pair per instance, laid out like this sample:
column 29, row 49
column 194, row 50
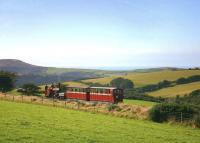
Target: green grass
column 176, row 90
column 141, row 79
column 139, row 102
column 22, row 123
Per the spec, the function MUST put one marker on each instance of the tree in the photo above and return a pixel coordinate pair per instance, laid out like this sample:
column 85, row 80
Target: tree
column 7, row 81
column 163, row 84
column 30, row 89
column 122, row 83
column 181, row 80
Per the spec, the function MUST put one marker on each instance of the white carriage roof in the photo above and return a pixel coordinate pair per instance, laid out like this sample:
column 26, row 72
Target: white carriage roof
column 104, row 87
column 93, row 87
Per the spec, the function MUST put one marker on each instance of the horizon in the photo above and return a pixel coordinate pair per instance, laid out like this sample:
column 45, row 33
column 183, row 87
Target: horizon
column 109, row 68
column 101, row 34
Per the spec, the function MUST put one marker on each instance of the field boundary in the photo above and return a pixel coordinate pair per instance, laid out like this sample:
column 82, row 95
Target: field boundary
column 119, row 110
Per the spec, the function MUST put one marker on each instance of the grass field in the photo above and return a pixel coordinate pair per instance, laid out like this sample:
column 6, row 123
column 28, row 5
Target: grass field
column 141, row 79
column 176, row 90
column 139, row 102
column 22, row 123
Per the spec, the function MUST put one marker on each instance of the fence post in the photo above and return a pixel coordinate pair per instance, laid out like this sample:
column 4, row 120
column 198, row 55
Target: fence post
column 181, row 117
column 53, row 101
column 78, row 104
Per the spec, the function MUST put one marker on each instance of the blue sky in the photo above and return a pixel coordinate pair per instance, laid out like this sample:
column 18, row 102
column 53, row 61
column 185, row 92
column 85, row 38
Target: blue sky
column 101, row 33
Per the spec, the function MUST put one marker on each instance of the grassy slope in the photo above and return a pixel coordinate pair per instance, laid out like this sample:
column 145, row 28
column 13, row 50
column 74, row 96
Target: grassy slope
column 139, row 102
column 34, row 123
column 141, row 79
column 176, row 90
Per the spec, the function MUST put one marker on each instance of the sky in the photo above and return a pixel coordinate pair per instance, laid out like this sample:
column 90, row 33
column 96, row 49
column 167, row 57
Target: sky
column 101, row 33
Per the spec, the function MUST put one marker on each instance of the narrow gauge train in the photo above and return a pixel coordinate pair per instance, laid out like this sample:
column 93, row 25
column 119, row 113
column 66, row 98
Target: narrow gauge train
column 102, row 94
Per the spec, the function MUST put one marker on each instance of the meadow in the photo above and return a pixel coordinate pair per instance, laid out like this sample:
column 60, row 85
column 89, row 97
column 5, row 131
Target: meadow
column 22, row 123
column 181, row 90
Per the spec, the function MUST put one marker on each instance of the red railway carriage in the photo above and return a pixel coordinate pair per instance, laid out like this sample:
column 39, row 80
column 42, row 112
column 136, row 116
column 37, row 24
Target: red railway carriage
column 103, row 94
column 77, row 93
column 106, row 94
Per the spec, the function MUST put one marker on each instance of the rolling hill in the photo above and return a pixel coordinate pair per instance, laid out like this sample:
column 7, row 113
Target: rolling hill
column 20, row 67
column 152, row 77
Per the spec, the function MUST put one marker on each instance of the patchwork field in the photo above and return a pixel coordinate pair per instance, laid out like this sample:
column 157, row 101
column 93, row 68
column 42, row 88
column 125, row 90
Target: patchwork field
column 22, row 123
column 176, row 90
column 141, row 79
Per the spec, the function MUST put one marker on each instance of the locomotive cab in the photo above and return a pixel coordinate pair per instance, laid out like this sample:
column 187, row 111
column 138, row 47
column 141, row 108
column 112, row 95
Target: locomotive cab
column 118, row 94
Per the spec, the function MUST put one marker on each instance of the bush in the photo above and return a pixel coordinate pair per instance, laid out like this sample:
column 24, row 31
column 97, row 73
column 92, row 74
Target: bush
column 190, row 79
column 165, row 111
column 181, row 80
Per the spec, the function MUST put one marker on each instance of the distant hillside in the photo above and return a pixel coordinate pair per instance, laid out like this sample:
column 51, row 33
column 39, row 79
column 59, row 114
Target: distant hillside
column 29, row 73
column 20, row 67
column 145, row 78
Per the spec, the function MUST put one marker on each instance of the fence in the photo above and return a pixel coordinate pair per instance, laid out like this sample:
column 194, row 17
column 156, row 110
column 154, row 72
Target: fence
column 180, row 116
column 75, row 104
column 127, row 111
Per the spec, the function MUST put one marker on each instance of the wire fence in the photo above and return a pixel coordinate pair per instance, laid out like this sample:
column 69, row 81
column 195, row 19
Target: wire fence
column 179, row 116
column 66, row 103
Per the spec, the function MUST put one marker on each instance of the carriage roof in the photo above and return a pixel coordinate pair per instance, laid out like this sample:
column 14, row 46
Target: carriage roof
column 112, row 88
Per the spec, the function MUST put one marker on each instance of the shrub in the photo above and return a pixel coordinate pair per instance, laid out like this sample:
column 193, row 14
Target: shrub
column 165, row 111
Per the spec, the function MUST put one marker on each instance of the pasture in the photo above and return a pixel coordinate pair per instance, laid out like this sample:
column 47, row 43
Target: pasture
column 22, row 123
column 181, row 90
column 139, row 102
column 141, row 79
